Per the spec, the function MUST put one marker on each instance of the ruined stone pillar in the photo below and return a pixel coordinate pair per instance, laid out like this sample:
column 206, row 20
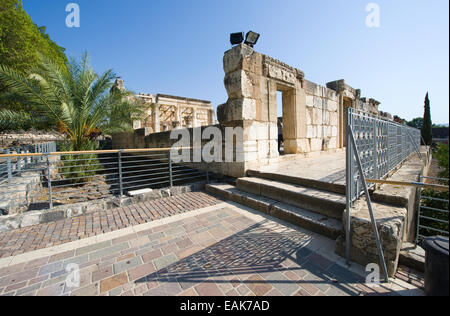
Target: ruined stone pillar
column 156, row 118
column 194, row 117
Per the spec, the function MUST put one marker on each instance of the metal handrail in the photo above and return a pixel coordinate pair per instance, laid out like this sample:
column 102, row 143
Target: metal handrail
column 70, row 175
column 375, row 147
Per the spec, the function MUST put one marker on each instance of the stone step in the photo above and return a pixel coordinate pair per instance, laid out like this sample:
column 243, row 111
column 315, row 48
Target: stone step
column 327, row 203
column 314, row 222
column 412, row 256
column 312, row 183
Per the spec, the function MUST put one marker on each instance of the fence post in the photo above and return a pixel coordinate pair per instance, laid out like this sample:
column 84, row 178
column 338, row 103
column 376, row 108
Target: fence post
column 119, row 155
column 19, row 162
column 170, row 169
column 49, row 182
column 375, row 148
column 9, row 165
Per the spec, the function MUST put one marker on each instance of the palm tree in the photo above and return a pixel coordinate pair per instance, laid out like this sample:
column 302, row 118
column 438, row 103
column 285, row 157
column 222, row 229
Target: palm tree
column 79, row 102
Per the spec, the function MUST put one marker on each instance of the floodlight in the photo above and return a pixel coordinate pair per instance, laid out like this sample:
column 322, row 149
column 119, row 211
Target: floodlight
column 236, row 38
column 252, row 38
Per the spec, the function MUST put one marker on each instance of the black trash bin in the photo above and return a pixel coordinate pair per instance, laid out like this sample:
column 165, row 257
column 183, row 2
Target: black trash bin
column 436, row 266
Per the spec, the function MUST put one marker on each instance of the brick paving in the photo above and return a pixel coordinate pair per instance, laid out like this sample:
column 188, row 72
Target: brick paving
column 55, row 233
column 223, row 252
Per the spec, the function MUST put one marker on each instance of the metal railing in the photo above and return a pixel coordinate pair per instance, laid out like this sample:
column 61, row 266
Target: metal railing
column 71, row 177
column 433, row 214
column 382, row 146
column 375, row 147
column 13, row 166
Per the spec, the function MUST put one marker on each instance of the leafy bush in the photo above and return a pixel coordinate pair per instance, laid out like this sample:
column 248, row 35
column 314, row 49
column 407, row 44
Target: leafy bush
column 14, row 121
column 79, row 169
column 434, row 214
column 442, row 156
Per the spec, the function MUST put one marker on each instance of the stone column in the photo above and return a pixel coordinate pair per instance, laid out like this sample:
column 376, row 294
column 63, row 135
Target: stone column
column 194, row 117
column 156, row 118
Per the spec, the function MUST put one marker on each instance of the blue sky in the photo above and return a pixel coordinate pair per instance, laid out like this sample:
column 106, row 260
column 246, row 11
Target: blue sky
column 176, row 46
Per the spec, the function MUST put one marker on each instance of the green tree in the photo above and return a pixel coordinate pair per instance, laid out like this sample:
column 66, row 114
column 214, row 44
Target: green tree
column 78, row 101
column 416, row 123
column 427, row 132
column 21, row 44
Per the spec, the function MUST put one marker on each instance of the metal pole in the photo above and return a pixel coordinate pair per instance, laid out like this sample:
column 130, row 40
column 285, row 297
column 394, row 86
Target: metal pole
column 348, row 197
column 119, row 155
column 170, row 169
column 418, row 213
column 375, row 149
column 9, row 165
column 369, row 205
column 19, row 162
column 49, row 182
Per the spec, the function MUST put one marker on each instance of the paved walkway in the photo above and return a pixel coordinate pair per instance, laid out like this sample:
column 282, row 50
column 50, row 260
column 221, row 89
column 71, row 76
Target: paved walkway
column 220, row 250
column 325, row 167
column 55, row 233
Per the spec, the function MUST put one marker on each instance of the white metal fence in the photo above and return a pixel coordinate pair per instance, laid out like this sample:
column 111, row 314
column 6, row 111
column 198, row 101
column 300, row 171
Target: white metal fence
column 382, row 146
column 374, row 148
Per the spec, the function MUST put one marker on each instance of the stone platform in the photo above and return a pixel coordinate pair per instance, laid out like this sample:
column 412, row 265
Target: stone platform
column 310, row 192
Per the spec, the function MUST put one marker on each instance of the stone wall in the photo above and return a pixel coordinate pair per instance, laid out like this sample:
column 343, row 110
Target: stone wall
column 8, row 140
column 322, row 117
column 143, row 139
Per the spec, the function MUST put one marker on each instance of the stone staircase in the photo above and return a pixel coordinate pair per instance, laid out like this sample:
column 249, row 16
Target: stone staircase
column 313, row 207
column 311, row 204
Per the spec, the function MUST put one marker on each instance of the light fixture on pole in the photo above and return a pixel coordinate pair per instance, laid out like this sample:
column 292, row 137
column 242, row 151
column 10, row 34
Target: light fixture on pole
column 252, row 38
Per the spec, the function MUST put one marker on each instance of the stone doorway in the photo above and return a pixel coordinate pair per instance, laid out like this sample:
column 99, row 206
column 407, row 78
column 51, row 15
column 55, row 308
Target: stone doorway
column 286, row 119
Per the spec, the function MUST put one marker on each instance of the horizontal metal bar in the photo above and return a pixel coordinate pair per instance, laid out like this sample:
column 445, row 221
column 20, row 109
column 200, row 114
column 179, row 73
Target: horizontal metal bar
column 434, row 199
column 434, row 219
column 146, row 175
column 433, row 229
column 144, row 180
column 134, row 167
column 433, row 209
column 95, row 152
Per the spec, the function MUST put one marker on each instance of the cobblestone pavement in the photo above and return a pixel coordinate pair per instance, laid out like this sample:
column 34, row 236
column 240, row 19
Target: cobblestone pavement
column 222, row 250
column 50, row 234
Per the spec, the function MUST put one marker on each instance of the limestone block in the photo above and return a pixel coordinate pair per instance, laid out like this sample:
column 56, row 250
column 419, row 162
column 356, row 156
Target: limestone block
column 262, row 130
column 334, row 131
column 316, row 144
column 318, row 131
column 331, row 94
column 310, row 131
column 390, row 223
column 332, row 143
column 273, row 131
column 326, row 117
column 239, row 84
column 317, row 116
column 237, row 110
column 250, row 133
column 250, row 146
column 309, row 100
column 309, row 116
column 334, row 119
column 30, row 219
column 251, row 156
column 297, row 146
column 233, row 59
column 318, row 103
column 332, row 105
column 263, row 148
